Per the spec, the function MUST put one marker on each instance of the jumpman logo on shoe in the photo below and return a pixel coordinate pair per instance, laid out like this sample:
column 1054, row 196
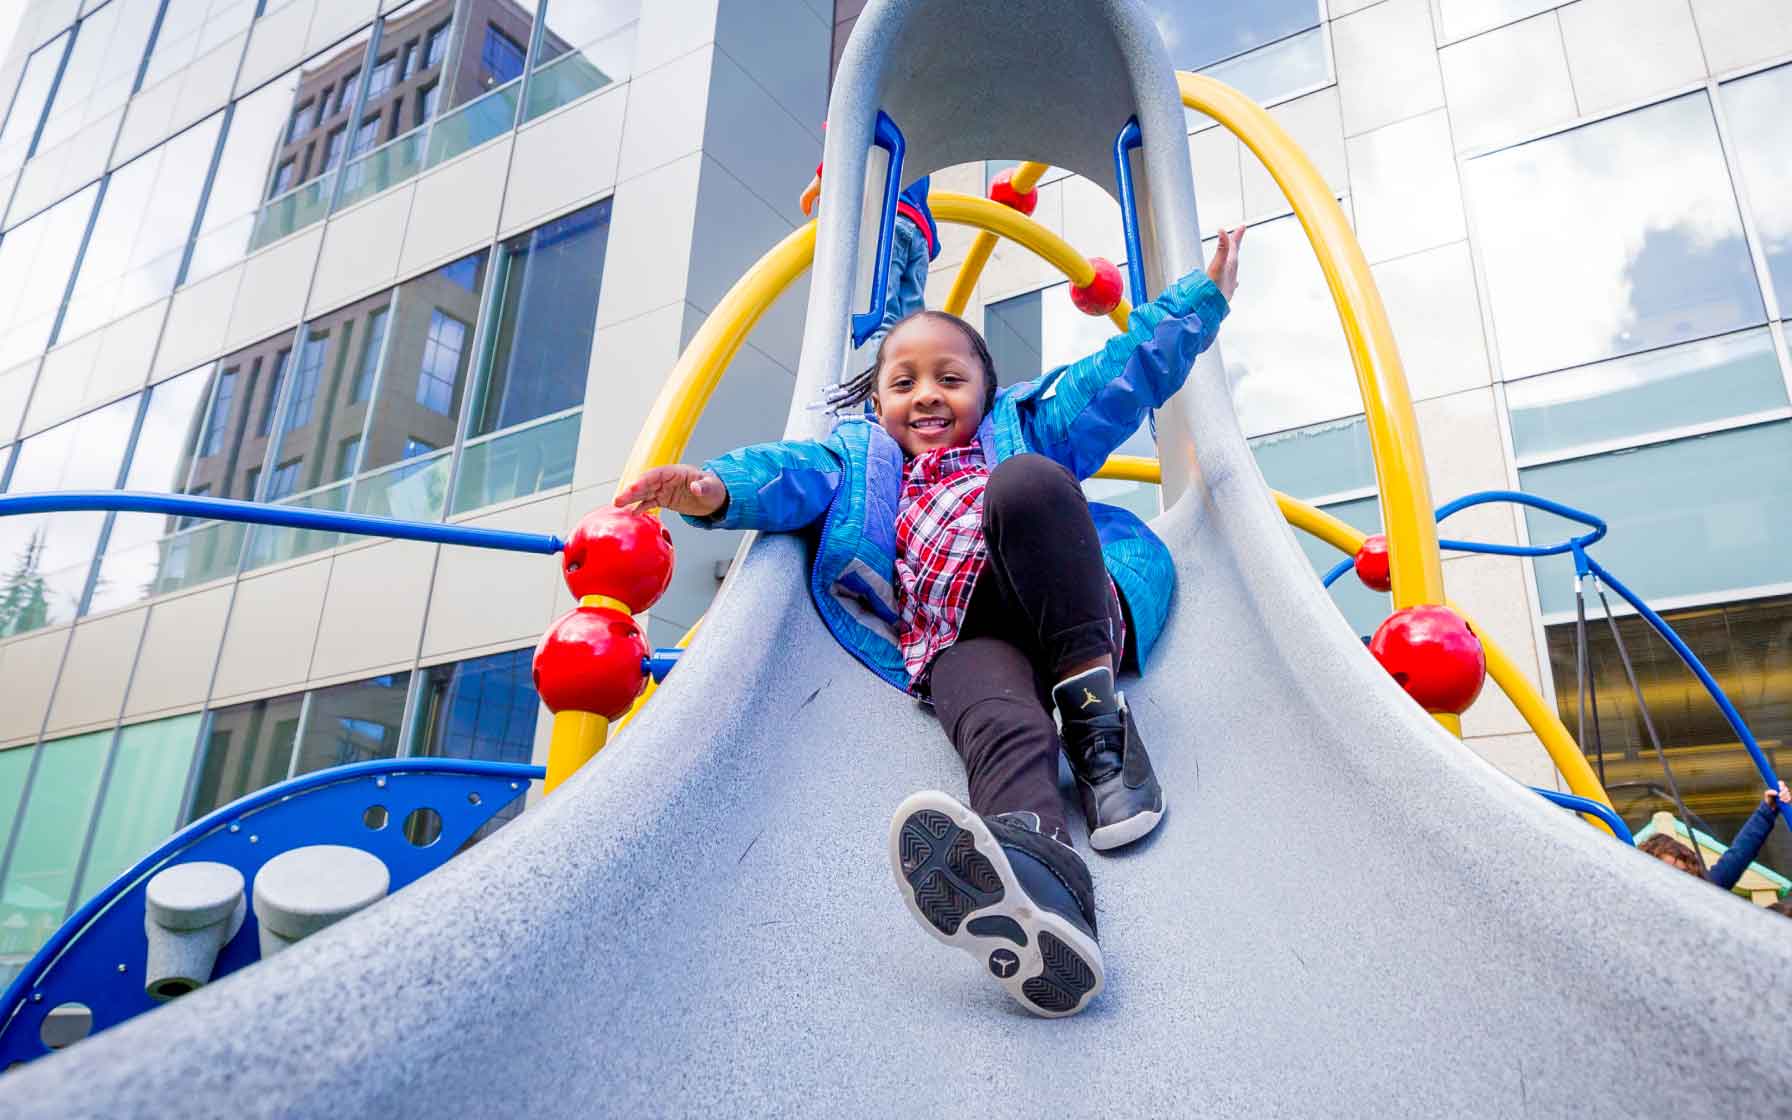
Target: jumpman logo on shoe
column 1002, row 963
column 1089, row 698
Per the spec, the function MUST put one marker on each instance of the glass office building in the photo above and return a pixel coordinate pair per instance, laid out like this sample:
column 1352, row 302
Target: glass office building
column 432, row 259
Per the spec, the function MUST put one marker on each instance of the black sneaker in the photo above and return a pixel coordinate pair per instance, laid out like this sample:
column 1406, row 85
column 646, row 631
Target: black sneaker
column 1121, row 798
column 1019, row 902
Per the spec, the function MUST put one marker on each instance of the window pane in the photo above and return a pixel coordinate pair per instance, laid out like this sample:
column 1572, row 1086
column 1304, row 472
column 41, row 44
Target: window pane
column 547, row 315
column 1014, row 329
column 481, row 709
column 1362, row 608
column 1277, row 70
column 1626, row 268
column 1762, row 137
column 426, row 365
column 1690, row 517
column 1743, row 645
column 41, row 876
column 1316, row 461
column 28, row 104
column 1199, row 35
column 1646, row 394
column 517, row 462
column 1283, row 347
column 247, row 747
column 587, row 45
column 490, row 50
column 271, row 182
column 142, row 800
column 356, row 722
column 190, row 28
column 148, row 554
column 35, row 260
column 101, row 69
column 44, row 558
column 134, row 253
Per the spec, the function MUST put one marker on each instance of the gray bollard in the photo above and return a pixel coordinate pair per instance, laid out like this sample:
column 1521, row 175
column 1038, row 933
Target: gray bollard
column 302, row 891
column 191, row 911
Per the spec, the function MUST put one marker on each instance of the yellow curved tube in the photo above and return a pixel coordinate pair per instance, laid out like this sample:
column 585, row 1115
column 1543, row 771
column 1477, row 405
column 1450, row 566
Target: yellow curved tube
column 993, row 217
column 1387, row 404
column 1024, row 179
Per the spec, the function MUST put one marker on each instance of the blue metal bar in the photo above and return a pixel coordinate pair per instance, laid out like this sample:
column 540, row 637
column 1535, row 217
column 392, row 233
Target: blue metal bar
column 887, row 136
column 1519, row 497
column 292, row 517
column 1129, row 138
column 1591, row 807
column 222, row 818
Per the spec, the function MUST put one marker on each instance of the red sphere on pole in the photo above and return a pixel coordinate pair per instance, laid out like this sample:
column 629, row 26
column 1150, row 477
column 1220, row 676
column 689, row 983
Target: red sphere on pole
column 620, row 554
column 1001, row 189
column 1372, row 564
column 1434, row 655
column 591, row 660
column 1102, row 293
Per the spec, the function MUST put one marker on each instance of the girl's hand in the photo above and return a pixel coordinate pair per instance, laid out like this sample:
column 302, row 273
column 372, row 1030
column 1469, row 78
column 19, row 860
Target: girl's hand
column 1782, row 795
column 679, row 488
column 811, row 193
column 1223, row 268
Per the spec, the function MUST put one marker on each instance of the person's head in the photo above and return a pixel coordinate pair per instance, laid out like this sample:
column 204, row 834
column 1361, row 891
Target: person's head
column 931, row 384
column 1671, row 851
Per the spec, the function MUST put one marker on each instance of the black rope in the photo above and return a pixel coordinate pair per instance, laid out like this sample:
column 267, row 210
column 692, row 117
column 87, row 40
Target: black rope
column 1642, row 708
column 1581, row 679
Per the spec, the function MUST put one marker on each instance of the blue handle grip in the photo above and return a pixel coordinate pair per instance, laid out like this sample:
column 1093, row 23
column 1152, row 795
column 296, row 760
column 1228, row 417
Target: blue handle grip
column 888, row 137
column 1129, row 138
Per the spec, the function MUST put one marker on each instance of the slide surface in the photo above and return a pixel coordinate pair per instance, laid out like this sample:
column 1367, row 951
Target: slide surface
column 1345, row 911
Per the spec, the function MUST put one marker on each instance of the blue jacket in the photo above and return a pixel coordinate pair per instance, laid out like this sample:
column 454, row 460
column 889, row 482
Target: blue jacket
column 1747, row 845
column 1077, row 415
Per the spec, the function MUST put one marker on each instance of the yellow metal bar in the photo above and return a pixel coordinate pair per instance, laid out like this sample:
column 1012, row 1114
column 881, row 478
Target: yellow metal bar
column 993, row 217
column 605, row 601
column 1387, row 404
column 970, row 272
column 1024, row 179
column 576, row 739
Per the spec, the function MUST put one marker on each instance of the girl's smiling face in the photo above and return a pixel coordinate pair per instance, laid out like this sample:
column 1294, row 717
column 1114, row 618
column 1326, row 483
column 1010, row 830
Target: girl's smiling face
column 930, row 386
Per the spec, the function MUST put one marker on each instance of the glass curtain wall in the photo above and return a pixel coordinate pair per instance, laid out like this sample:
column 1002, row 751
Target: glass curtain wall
column 484, row 709
column 19, row 133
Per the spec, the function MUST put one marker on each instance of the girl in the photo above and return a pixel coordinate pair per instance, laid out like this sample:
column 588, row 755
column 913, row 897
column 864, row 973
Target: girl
column 957, row 558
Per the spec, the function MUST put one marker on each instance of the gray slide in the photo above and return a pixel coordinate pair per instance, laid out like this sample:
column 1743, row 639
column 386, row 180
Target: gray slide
column 1345, row 912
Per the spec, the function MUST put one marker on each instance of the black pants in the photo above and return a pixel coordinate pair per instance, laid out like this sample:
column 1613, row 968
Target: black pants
column 1043, row 605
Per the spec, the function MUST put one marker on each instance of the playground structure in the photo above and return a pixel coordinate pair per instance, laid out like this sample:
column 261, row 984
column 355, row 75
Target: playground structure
column 1255, row 942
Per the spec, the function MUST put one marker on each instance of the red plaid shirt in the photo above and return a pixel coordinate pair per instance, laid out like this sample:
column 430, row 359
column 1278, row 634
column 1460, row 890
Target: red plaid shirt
column 939, row 550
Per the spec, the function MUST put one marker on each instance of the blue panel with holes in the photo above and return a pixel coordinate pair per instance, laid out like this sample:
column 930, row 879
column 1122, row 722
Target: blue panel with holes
column 414, row 814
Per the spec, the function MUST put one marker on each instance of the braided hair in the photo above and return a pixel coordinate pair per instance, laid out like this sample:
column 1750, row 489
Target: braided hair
column 857, row 390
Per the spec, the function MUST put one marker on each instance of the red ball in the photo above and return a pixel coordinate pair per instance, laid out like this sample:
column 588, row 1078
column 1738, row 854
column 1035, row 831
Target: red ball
column 1433, row 655
column 1372, row 564
column 1001, row 189
column 619, row 553
column 1100, row 295
column 591, row 660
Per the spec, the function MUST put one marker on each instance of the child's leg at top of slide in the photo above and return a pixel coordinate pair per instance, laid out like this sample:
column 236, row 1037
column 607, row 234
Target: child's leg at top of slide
column 1043, row 606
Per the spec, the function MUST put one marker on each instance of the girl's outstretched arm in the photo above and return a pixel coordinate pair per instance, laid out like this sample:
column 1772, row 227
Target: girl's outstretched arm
column 1085, row 410
column 1730, row 866
column 775, row 487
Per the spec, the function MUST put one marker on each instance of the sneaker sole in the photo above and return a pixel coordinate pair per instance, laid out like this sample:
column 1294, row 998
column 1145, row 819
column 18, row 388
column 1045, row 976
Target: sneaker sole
column 959, row 885
column 1121, row 833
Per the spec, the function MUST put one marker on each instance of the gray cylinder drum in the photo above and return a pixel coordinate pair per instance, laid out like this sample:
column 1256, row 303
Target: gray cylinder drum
column 307, row 889
column 191, row 911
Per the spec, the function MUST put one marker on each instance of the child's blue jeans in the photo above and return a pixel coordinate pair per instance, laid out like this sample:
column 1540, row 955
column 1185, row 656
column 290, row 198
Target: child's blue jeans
column 907, row 293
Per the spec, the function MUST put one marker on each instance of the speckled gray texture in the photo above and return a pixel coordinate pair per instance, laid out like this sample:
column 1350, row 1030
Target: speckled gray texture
column 1345, row 913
